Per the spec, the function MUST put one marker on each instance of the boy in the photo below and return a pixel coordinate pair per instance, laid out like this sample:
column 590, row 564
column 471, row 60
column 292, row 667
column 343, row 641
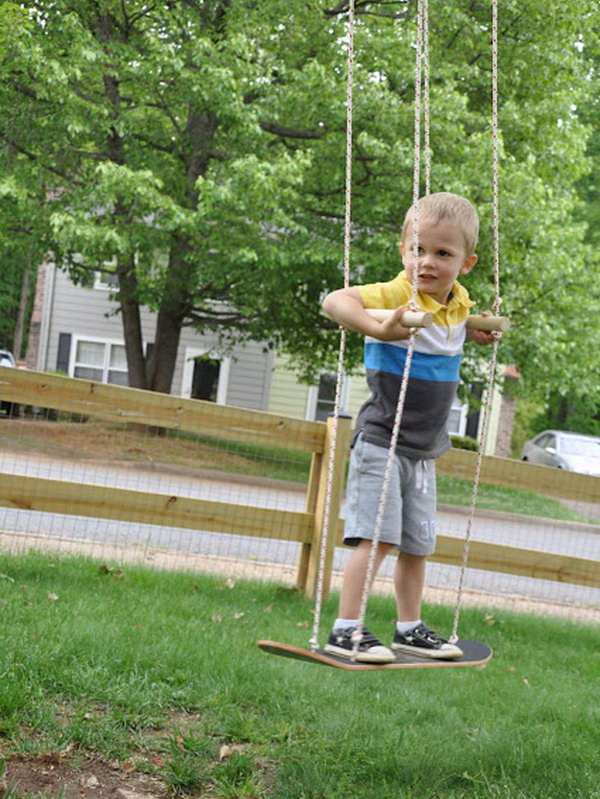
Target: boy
column 448, row 228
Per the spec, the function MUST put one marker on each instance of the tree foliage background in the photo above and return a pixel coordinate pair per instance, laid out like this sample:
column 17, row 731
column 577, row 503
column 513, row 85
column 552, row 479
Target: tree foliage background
column 197, row 148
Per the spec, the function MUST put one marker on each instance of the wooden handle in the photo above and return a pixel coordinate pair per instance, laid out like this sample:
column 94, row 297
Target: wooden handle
column 499, row 323
column 425, row 319
column 409, row 318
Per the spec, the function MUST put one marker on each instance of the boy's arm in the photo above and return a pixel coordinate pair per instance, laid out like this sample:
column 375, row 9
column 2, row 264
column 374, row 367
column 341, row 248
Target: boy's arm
column 482, row 337
column 345, row 306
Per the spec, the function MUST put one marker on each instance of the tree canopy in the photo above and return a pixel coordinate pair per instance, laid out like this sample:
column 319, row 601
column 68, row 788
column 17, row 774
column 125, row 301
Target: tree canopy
column 197, row 148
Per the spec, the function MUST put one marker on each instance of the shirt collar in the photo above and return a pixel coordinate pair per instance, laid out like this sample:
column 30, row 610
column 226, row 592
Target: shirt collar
column 459, row 297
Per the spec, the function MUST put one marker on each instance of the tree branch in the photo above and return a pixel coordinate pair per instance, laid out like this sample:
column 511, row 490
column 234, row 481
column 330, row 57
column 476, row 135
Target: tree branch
column 292, row 133
column 360, row 8
column 36, row 158
column 169, row 150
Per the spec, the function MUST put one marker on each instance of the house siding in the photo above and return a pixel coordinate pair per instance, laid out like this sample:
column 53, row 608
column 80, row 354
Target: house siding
column 288, row 397
column 88, row 313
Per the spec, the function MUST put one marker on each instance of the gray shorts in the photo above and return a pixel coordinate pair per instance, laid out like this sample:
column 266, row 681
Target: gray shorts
column 410, row 509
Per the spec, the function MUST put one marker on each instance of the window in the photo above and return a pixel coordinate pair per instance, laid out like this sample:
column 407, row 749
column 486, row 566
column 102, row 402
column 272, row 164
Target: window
column 205, row 378
column 205, row 375
column 321, row 398
column 457, row 419
column 325, row 397
column 106, row 281
column 102, row 361
column 545, row 440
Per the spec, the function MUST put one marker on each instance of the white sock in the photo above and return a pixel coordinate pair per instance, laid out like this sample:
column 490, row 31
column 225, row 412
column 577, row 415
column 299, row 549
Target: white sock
column 343, row 624
column 407, row 626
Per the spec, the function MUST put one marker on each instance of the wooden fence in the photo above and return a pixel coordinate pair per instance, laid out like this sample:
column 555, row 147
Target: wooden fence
column 117, row 403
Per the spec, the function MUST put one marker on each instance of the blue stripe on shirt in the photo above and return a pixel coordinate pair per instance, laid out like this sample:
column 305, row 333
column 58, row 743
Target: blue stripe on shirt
column 384, row 357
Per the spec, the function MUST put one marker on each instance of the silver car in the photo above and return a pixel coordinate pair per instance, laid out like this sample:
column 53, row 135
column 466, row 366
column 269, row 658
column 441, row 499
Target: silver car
column 572, row 451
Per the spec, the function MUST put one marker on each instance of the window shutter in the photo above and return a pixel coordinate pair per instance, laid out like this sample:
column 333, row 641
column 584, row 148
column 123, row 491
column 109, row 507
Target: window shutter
column 64, row 352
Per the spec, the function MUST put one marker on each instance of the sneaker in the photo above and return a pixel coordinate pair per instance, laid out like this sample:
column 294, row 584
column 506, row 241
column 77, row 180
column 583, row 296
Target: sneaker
column 370, row 648
column 426, row 643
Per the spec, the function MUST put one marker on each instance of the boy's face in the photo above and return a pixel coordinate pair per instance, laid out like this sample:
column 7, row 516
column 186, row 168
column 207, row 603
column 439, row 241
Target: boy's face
column 442, row 257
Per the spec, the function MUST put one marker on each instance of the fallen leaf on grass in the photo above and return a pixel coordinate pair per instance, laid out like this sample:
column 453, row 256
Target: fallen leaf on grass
column 230, row 583
column 52, row 597
column 216, row 617
column 116, row 574
column 303, row 624
column 238, row 615
column 225, row 751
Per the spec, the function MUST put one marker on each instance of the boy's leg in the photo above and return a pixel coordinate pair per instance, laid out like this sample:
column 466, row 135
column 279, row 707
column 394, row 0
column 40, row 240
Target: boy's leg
column 354, row 577
column 418, row 541
column 368, row 464
column 370, row 649
column 409, row 579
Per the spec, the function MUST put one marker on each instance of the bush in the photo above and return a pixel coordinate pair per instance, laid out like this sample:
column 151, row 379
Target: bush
column 464, row 442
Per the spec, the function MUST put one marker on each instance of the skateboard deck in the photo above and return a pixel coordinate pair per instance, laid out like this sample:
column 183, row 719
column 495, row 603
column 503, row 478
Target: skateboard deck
column 475, row 653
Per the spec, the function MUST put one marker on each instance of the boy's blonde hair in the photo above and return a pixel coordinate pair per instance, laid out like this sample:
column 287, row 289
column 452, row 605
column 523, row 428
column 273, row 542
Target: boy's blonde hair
column 450, row 207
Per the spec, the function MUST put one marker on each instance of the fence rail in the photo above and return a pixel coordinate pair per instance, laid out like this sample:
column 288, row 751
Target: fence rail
column 307, row 528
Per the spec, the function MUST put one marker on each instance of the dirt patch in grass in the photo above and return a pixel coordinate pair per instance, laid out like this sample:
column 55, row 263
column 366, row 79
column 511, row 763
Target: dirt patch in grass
column 104, row 441
column 147, row 447
column 94, row 778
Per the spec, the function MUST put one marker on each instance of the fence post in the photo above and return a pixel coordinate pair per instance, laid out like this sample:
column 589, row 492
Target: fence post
column 308, row 567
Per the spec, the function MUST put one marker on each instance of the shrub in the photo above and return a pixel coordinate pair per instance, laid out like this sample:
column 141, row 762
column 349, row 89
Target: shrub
column 464, row 442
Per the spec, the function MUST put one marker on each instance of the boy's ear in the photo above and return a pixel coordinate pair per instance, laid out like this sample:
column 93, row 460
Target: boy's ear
column 468, row 264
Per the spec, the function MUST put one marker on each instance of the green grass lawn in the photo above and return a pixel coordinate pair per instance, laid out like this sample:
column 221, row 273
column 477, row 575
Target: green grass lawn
column 160, row 671
column 273, row 462
column 455, row 491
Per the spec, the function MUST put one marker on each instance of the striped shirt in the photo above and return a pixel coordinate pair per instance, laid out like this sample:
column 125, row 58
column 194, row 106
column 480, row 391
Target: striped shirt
column 434, row 373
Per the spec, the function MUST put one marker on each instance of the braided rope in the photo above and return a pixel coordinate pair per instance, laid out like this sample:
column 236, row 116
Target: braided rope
column 496, row 307
column 426, row 98
column 314, row 640
column 421, row 90
column 414, row 306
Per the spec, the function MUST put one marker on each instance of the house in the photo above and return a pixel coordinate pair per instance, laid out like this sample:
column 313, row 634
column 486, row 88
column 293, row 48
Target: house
column 74, row 330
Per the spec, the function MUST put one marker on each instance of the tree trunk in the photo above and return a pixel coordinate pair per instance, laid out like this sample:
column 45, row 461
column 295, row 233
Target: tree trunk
column 177, row 298
column 172, row 312
column 161, row 365
column 132, row 323
column 127, row 296
column 18, row 335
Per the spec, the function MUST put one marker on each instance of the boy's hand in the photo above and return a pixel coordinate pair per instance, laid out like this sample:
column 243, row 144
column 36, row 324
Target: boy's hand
column 483, row 337
column 392, row 329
